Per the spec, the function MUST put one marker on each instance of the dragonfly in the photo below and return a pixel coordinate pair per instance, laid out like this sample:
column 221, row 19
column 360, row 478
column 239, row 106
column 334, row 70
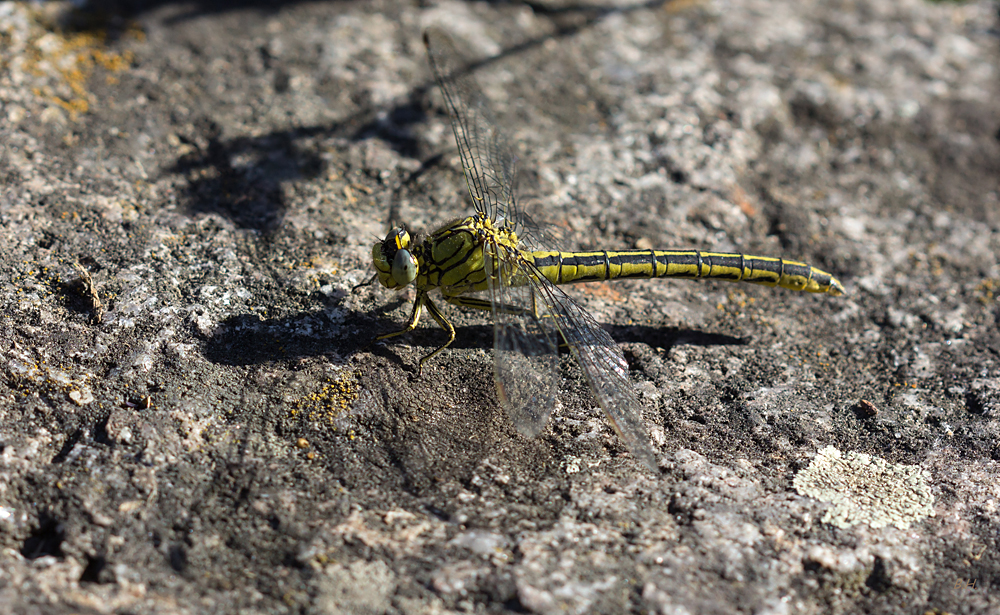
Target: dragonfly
column 496, row 260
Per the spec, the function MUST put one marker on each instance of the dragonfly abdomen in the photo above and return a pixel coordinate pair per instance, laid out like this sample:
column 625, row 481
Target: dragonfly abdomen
column 573, row 267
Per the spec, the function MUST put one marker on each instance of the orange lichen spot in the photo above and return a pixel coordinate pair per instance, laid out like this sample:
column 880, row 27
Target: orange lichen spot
column 606, row 291
column 741, row 199
column 61, row 62
column 986, row 291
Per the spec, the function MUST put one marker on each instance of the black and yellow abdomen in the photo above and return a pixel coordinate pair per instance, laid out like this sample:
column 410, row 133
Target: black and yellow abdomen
column 573, row 267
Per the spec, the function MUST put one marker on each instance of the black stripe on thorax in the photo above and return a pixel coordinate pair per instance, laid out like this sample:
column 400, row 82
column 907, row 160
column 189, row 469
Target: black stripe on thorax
column 429, row 252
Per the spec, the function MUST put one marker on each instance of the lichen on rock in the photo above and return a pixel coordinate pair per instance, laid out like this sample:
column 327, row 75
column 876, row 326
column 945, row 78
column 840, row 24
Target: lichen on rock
column 866, row 489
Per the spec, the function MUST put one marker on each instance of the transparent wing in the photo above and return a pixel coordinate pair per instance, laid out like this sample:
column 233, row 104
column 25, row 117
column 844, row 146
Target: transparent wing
column 603, row 365
column 529, row 337
column 525, row 346
column 525, row 352
column 535, row 235
column 486, row 155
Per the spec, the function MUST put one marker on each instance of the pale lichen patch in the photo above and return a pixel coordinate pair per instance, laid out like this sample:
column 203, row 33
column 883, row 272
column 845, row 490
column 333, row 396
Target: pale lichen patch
column 866, row 490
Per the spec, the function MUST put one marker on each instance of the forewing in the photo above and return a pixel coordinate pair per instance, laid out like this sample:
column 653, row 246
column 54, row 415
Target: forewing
column 525, row 344
column 486, row 155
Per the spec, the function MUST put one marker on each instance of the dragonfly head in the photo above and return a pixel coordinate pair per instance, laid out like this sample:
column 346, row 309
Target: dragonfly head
column 393, row 260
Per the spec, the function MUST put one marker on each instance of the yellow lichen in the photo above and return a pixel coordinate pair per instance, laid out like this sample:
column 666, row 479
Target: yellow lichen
column 331, row 402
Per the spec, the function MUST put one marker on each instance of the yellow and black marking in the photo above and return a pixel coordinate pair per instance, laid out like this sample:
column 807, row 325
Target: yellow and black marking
column 572, row 267
column 488, row 253
column 453, row 259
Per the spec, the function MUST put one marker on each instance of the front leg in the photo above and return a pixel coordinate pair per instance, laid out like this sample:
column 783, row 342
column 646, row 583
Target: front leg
column 441, row 320
column 414, row 318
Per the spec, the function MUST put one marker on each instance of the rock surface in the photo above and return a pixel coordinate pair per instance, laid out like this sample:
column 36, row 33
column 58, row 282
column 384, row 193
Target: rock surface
column 192, row 419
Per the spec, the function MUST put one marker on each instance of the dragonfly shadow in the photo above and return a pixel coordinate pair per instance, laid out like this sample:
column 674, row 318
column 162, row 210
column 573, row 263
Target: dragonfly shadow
column 425, row 340
column 194, row 9
column 248, row 339
column 481, row 336
column 249, row 192
column 253, row 339
column 118, row 10
column 242, row 178
column 667, row 337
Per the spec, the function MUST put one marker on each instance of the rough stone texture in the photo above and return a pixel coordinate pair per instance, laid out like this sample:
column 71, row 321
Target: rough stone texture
column 221, row 437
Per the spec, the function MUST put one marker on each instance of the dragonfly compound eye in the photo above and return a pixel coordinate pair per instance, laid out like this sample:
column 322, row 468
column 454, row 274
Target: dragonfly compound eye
column 401, row 238
column 404, row 267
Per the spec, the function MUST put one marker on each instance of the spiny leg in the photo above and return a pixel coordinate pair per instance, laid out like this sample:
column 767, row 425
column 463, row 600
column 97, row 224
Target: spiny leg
column 421, row 300
column 443, row 322
column 482, row 304
column 367, row 282
column 414, row 318
column 418, row 303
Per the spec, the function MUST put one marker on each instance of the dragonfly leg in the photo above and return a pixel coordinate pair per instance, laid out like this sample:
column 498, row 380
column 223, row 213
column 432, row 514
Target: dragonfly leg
column 482, row 304
column 367, row 282
column 447, row 326
column 414, row 318
column 468, row 302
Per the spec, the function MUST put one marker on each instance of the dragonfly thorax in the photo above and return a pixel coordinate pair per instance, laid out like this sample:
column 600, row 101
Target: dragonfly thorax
column 393, row 260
